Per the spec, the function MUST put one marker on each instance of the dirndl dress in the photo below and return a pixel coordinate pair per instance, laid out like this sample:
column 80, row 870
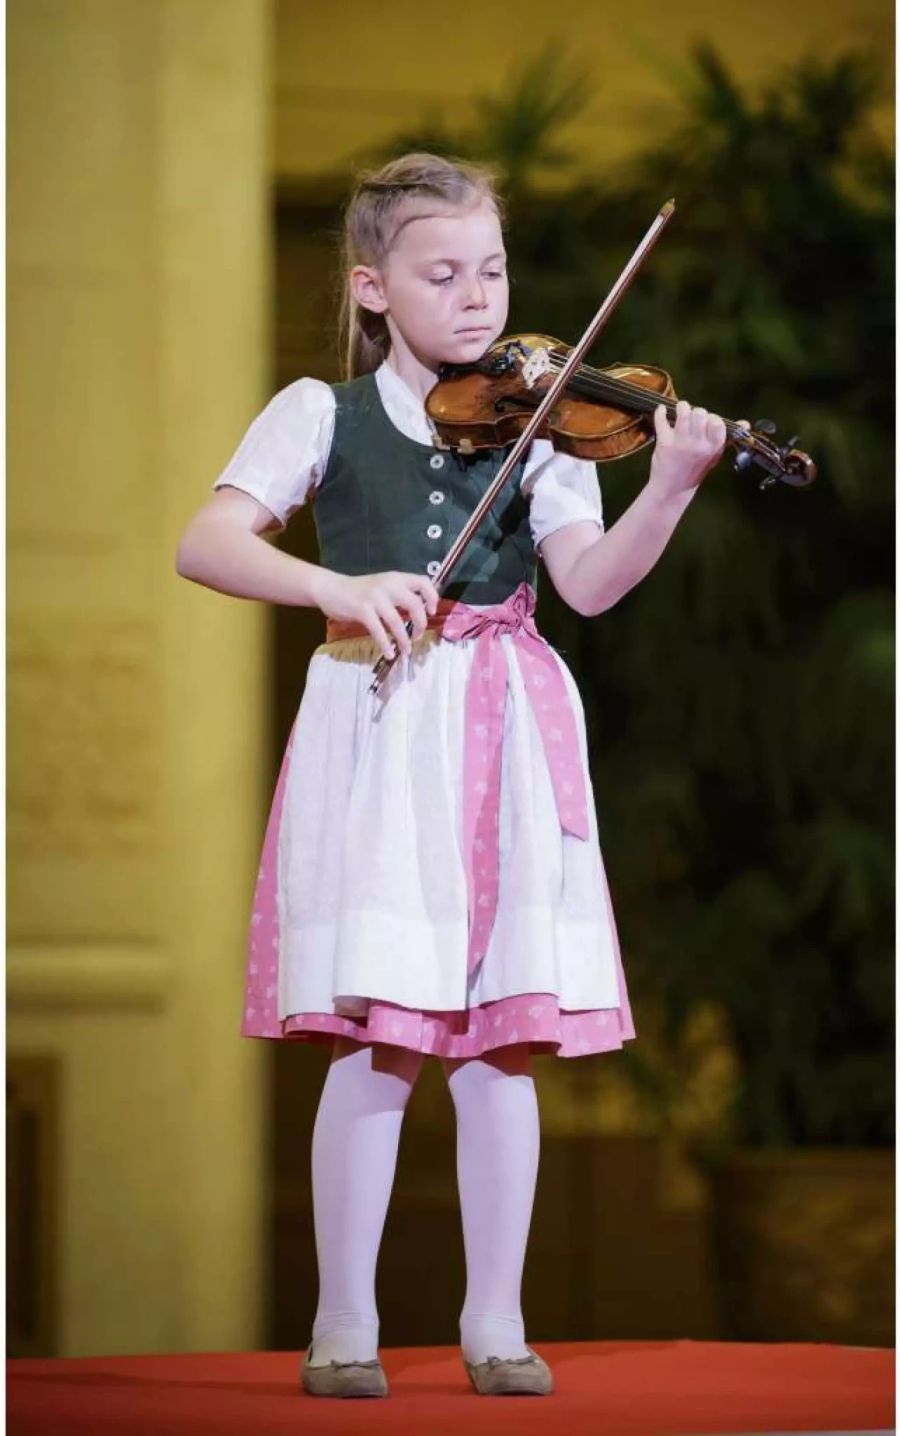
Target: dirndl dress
column 431, row 875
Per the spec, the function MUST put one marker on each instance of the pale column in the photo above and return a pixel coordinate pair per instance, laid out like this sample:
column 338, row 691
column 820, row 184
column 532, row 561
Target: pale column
column 138, row 771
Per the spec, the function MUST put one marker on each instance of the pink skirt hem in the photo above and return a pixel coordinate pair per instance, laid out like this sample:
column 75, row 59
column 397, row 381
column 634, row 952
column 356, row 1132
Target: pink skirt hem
column 535, row 1018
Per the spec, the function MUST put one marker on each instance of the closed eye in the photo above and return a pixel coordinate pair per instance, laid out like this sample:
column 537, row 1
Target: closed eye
column 489, row 274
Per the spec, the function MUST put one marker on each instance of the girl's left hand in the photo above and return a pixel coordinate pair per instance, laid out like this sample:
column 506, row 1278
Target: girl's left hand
column 685, row 453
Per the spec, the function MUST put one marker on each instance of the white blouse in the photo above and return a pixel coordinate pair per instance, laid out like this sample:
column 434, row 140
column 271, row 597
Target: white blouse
column 283, row 456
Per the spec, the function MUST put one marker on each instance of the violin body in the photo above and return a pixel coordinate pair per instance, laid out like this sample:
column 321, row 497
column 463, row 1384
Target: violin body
column 488, row 404
column 601, row 414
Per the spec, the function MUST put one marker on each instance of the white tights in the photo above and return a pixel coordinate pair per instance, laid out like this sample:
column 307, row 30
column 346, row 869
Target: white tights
column 354, row 1158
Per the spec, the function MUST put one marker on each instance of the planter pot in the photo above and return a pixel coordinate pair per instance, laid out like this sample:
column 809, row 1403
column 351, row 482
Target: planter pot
column 804, row 1242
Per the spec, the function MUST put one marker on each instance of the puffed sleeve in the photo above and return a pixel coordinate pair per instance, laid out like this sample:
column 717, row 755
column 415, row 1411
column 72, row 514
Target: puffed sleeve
column 561, row 490
column 283, row 454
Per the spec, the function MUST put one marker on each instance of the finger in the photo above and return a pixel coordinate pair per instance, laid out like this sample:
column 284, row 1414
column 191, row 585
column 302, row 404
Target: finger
column 698, row 421
column 745, row 423
column 427, row 590
column 396, row 625
column 661, row 421
column 378, row 631
column 416, row 610
column 682, row 417
column 716, row 432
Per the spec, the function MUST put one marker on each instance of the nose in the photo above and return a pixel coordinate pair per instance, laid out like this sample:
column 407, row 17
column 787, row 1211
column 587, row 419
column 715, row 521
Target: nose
column 477, row 296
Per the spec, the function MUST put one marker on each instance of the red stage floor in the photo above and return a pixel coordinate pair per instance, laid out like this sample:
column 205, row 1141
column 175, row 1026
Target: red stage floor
column 605, row 1388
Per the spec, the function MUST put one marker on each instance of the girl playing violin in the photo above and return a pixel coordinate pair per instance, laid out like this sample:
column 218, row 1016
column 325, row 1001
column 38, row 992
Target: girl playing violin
column 431, row 880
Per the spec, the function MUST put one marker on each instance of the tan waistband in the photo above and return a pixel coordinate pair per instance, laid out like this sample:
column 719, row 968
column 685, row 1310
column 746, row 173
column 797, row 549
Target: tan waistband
column 347, row 628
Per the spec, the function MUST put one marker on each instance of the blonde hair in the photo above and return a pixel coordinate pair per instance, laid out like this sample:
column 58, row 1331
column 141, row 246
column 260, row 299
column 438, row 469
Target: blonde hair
column 371, row 227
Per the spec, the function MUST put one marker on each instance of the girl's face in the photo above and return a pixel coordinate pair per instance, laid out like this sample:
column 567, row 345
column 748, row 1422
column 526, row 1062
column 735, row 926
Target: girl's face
column 443, row 288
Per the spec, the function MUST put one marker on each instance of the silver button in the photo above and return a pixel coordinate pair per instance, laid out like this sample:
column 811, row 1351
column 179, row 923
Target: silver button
column 436, row 461
column 432, row 568
column 434, row 531
column 436, row 496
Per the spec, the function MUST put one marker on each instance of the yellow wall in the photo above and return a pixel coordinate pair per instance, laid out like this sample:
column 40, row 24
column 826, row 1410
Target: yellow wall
column 355, row 74
column 138, row 279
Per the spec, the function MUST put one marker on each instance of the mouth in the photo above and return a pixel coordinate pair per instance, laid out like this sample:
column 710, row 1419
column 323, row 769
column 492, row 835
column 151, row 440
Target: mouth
column 474, row 330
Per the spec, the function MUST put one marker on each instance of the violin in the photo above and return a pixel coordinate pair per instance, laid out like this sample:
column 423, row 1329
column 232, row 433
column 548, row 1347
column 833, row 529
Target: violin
column 601, row 414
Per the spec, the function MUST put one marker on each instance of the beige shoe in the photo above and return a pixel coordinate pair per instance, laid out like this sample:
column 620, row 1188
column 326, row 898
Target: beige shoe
column 343, row 1378
column 516, row 1376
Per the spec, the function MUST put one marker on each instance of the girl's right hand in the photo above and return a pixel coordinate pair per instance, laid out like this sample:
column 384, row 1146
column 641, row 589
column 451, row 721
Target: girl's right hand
column 374, row 599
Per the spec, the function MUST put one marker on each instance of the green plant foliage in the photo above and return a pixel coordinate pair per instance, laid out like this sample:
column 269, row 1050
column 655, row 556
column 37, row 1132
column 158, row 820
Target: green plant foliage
column 739, row 700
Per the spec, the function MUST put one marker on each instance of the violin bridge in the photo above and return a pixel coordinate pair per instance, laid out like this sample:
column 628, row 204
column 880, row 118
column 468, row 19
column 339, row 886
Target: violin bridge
column 537, row 363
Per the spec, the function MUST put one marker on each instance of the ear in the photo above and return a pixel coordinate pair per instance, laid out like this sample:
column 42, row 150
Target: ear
column 366, row 288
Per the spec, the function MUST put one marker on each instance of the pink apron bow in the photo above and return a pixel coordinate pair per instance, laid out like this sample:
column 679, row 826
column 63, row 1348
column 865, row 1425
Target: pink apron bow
column 484, row 713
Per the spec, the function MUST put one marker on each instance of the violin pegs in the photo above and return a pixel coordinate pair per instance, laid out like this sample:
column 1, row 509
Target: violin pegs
column 742, row 460
column 765, row 426
column 791, row 442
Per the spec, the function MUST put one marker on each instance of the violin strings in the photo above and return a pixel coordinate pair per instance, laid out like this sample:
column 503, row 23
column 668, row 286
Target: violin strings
column 595, row 382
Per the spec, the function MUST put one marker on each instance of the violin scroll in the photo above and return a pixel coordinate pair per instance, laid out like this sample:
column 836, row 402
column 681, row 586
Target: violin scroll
column 792, row 466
